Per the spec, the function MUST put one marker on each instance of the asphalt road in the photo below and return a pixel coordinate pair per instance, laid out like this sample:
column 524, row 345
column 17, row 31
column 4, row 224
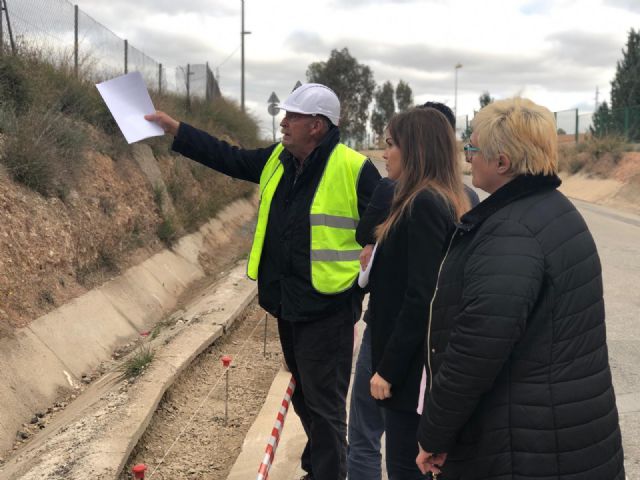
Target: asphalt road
column 617, row 236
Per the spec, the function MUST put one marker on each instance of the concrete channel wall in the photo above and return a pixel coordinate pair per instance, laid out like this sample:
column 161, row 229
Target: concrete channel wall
column 50, row 356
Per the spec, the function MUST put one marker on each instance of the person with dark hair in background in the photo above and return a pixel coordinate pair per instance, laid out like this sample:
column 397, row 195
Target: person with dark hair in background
column 428, row 198
column 518, row 378
column 366, row 425
column 313, row 190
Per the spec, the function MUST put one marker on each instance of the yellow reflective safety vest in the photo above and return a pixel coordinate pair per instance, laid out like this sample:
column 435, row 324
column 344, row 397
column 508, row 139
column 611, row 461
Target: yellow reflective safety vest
column 333, row 218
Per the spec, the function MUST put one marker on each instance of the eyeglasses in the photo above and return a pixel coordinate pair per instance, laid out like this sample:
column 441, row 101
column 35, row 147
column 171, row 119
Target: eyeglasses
column 470, row 151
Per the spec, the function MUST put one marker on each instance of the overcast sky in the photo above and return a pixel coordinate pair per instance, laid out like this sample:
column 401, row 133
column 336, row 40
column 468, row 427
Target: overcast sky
column 553, row 51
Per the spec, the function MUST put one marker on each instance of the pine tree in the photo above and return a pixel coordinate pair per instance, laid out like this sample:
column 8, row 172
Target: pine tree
column 602, row 121
column 625, row 91
column 625, row 87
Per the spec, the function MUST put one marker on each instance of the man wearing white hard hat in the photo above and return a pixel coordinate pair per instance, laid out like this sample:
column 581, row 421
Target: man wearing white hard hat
column 313, row 190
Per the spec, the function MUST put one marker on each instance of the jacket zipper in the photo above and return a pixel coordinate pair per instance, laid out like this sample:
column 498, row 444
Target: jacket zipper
column 435, row 292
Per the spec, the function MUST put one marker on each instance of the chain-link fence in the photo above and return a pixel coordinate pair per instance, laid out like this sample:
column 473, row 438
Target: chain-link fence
column 621, row 121
column 64, row 35
column 573, row 126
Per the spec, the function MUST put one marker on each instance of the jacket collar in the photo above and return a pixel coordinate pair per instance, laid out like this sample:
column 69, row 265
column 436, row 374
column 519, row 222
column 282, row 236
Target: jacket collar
column 322, row 151
column 520, row 187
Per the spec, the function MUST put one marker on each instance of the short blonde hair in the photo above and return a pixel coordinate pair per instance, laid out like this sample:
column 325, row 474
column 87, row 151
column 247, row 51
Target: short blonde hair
column 522, row 130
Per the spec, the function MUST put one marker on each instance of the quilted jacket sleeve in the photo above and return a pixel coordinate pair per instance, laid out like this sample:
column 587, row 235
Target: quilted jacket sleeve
column 502, row 281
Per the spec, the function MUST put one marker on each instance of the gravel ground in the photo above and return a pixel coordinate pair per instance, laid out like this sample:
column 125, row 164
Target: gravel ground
column 188, row 437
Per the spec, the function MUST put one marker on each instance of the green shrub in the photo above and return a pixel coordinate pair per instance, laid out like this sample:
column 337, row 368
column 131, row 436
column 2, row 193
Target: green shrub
column 615, row 145
column 137, row 362
column 15, row 94
column 43, row 151
column 167, row 231
column 158, row 196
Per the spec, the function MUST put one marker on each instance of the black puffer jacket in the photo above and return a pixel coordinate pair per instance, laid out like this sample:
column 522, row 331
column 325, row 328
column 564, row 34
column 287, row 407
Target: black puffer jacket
column 521, row 380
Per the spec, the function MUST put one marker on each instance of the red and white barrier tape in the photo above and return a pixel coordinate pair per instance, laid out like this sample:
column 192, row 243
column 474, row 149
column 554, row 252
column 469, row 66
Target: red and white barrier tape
column 270, row 451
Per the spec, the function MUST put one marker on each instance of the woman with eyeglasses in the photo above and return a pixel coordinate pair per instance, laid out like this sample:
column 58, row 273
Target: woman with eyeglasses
column 428, row 198
column 518, row 378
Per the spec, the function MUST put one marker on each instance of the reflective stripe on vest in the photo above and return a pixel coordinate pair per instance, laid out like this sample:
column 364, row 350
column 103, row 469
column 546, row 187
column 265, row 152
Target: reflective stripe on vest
column 333, row 219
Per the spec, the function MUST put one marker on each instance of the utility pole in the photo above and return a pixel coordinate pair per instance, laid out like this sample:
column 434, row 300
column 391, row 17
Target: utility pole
column 243, row 32
column 455, row 89
column 3, row 8
column 597, row 97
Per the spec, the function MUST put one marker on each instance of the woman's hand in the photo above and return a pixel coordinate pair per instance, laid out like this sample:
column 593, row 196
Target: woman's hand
column 430, row 462
column 380, row 388
column 365, row 256
column 168, row 124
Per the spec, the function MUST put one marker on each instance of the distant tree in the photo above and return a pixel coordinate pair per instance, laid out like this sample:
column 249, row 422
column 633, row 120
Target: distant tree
column 602, row 122
column 383, row 109
column 625, row 90
column 466, row 133
column 625, row 87
column 377, row 123
column 404, row 96
column 485, row 99
column 353, row 83
column 561, row 131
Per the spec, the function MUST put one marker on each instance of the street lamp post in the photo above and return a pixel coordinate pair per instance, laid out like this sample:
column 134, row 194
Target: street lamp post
column 243, row 32
column 455, row 91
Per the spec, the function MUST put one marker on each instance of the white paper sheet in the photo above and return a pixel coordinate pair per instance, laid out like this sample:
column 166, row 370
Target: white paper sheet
column 363, row 276
column 128, row 101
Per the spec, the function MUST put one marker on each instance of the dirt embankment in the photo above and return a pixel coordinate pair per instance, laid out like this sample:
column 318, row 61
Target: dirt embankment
column 616, row 184
column 55, row 249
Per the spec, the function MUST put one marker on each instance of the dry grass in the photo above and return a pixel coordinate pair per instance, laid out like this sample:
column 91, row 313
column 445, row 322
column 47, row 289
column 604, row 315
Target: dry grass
column 48, row 118
column 595, row 155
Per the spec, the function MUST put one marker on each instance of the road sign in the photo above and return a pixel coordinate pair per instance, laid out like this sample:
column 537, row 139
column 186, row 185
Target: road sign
column 273, row 98
column 273, row 109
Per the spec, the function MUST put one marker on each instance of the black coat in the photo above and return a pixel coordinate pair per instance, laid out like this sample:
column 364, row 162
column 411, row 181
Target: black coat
column 402, row 279
column 284, row 276
column 521, row 380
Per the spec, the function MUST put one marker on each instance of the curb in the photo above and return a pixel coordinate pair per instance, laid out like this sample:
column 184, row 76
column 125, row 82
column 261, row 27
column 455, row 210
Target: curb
column 290, row 445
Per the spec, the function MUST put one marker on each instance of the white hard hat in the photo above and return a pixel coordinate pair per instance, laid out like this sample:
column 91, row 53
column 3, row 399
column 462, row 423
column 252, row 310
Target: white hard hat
column 313, row 99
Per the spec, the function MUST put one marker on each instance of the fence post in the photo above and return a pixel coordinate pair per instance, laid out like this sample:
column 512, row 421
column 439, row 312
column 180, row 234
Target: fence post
column 3, row 6
column 626, row 122
column 126, row 56
column 75, row 40
column 188, row 87
column 1, row 31
column 206, row 82
column 577, row 126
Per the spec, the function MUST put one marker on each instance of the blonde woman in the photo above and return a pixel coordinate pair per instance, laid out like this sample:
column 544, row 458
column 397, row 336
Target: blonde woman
column 519, row 384
column 429, row 197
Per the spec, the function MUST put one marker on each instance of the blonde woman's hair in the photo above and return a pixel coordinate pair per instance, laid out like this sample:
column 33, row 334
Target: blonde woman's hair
column 429, row 161
column 522, row 130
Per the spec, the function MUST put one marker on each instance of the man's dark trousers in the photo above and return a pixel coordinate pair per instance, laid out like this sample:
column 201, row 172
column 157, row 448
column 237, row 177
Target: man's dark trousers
column 319, row 353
